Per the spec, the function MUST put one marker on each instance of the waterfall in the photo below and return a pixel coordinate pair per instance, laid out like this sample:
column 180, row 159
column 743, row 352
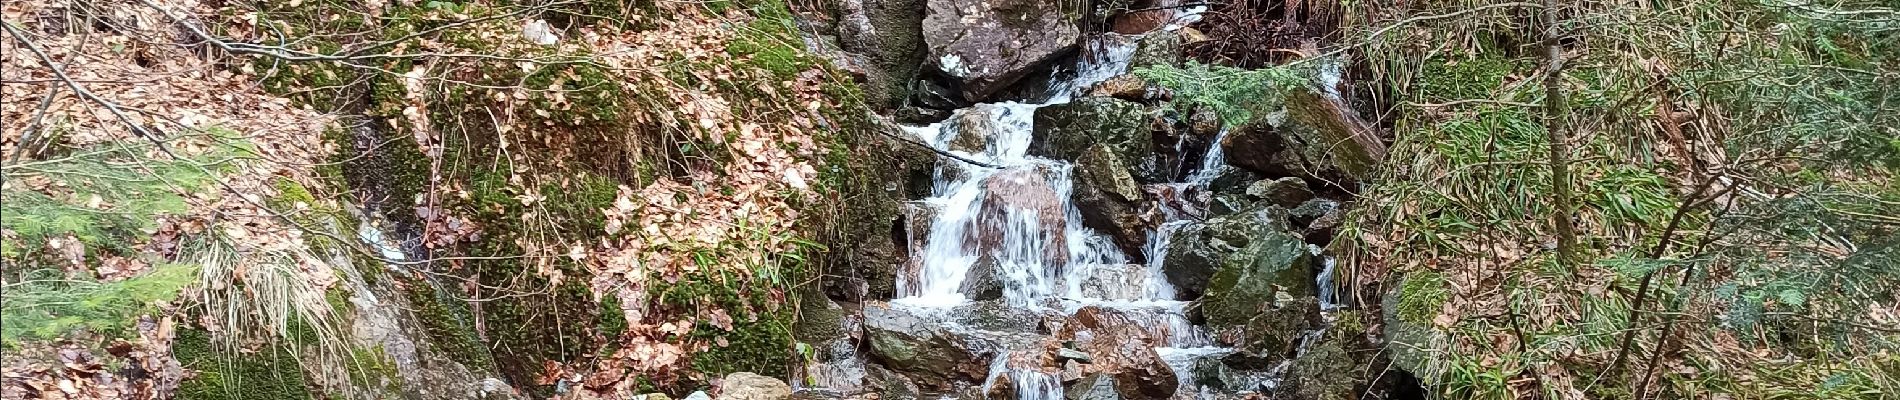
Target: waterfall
column 1029, row 232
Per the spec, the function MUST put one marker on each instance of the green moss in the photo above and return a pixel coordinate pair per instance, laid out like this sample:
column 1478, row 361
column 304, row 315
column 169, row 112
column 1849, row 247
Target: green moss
column 443, row 322
column 270, row 374
column 1469, row 78
column 770, row 42
column 1422, row 296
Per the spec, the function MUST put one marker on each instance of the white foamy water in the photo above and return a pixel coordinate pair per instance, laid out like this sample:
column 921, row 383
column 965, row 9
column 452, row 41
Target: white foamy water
column 1028, row 230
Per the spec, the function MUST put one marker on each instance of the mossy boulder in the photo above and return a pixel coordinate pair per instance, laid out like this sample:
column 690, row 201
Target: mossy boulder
column 1324, row 371
column 1270, row 270
column 1162, row 48
column 1241, row 257
column 1410, row 339
column 1067, row 131
column 1110, row 200
column 887, row 35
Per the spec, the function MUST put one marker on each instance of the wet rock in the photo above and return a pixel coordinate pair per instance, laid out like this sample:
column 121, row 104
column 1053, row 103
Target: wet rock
column 976, row 127
column 817, row 394
column 983, row 281
column 1259, row 148
column 1066, row 131
column 926, row 352
column 1234, row 243
column 1026, row 192
column 989, row 44
column 1228, row 203
column 1114, row 281
column 819, row 318
column 1228, row 179
column 1334, row 133
column 1144, row 16
column 891, row 172
column 751, row 386
column 1204, row 122
column 888, row 34
column 1120, row 348
column 1157, row 49
column 1317, row 214
column 999, row 316
column 889, row 384
column 1130, row 87
column 1109, row 200
column 929, row 101
column 1092, row 387
column 1264, row 271
column 1274, row 333
column 1324, row 371
column 1285, row 192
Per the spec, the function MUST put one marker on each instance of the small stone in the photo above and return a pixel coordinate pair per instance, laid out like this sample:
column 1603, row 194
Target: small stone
column 1065, row 353
column 698, row 395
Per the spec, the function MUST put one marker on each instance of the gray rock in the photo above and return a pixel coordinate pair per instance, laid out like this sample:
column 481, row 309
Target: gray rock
column 989, row 44
column 1092, row 387
column 1157, row 49
column 1199, row 250
column 926, row 352
column 1318, row 213
column 1285, row 192
column 983, row 281
column 1114, row 281
column 1324, row 371
column 1259, row 147
column 1067, row 131
column 698, row 395
column 1109, row 199
column 1228, row 203
column 1267, row 268
column 751, row 386
column 888, row 34
column 1229, row 179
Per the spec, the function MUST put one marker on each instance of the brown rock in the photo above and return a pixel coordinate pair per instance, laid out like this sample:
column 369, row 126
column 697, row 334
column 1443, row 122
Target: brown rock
column 1119, row 347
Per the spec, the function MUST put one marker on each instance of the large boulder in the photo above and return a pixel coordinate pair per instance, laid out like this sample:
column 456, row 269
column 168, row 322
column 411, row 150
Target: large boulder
column 989, row 44
column 1268, row 269
column 887, row 35
column 925, row 352
column 1252, row 244
column 1010, row 197
column 1334, row 133
column 1067, row 131
column 1118, row 347
column 751, row 386
column 1259, row 147
column 1113, row 281
column 1110, row 201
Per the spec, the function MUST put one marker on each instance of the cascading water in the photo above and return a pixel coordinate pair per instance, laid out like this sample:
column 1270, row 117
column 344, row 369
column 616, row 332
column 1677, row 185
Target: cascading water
column 1012, row 222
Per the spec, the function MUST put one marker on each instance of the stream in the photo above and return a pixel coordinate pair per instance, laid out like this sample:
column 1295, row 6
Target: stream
column 1016, row 227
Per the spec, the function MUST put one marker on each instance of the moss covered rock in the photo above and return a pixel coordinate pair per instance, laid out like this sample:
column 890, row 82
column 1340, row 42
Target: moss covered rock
column 1066, row 131
column 1248, row 252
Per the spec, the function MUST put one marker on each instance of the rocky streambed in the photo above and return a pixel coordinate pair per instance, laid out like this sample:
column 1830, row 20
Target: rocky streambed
column 1080, row 235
